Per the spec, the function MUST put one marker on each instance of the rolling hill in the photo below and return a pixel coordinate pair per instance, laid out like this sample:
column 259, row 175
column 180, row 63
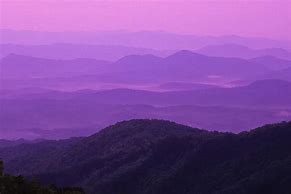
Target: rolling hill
column 183, row 66
column 59, row 119
column 264, row 93
column 55, row 114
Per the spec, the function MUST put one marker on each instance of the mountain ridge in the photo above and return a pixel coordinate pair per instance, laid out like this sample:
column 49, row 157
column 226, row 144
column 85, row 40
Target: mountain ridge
column 241, row 51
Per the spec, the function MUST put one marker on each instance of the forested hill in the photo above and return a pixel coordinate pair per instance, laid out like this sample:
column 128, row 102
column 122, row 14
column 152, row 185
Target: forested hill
column 161, row 157
column 19, row 185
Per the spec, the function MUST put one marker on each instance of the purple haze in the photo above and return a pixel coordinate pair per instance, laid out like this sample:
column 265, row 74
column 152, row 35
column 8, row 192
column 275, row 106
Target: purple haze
column 71, row 68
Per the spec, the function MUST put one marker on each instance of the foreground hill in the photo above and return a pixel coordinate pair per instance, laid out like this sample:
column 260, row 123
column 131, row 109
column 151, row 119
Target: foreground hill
column 157, row 157
column 18, row 185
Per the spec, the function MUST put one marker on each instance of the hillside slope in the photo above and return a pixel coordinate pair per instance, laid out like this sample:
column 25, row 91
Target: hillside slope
column 156, row 157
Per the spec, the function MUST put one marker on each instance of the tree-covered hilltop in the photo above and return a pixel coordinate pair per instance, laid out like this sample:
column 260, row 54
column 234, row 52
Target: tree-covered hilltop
column 161, row 157
column 19, row 185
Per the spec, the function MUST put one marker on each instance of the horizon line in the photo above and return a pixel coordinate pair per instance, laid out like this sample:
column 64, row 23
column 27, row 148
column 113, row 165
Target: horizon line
column 145, row 31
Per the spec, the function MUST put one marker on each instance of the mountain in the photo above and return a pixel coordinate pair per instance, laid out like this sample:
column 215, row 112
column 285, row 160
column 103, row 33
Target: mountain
column 183, row 66
column 137, row 63
column 188, row 66
column 18, row 66
column 72, row 51
column 176, row 86
column 272, row 62
column 154, row 156
column 284, row 74
column 240, row 51
column 144, row 39
column 56, row 115
column 58, row 119
column 264, row 93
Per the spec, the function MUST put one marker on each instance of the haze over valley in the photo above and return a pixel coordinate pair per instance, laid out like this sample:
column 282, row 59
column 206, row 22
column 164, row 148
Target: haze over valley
column 145, row 97
column 44, row 88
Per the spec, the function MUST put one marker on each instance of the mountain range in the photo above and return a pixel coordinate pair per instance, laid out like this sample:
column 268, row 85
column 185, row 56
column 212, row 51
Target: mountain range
column 55, row 114
column 115, row 52
column 73, row 51
column 17, row 66
column 176, row 86
column 240, row 51
column 97, row 112
column 182, row 66
column 263, row 93
column 144, row 39
column 280, row 74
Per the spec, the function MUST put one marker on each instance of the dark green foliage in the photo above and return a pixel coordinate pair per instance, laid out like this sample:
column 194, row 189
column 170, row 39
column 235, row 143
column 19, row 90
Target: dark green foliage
column 160, row 157
column 1, row 168
column 18, row 185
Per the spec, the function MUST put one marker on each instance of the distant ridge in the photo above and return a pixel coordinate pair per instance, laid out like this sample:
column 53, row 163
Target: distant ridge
column 241, row 51
column 72, row 51
column 229, row 109
column 279, row 74
column 176, row 86
column 19, row 66
column 271, row 62
column 182, row 66
column 145, row 39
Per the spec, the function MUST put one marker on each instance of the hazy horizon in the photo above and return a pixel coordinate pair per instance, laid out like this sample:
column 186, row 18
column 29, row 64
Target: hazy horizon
column 142, row 31
column 264, row 18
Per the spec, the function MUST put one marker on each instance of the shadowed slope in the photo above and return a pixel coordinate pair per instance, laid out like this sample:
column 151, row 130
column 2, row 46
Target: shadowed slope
column 151, row 156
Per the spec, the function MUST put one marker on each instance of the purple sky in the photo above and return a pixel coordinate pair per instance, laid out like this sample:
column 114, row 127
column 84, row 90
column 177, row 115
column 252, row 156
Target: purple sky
column 264, row 18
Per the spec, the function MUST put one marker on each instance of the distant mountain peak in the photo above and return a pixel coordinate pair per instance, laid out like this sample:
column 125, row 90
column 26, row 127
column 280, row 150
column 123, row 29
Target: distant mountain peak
column 139, row 58
column 229, row 45
column 185, row 54
column 266, row 57
column 13, row 56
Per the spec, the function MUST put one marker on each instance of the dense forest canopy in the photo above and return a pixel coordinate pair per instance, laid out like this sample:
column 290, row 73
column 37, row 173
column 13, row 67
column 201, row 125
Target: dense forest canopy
column 156, row 157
